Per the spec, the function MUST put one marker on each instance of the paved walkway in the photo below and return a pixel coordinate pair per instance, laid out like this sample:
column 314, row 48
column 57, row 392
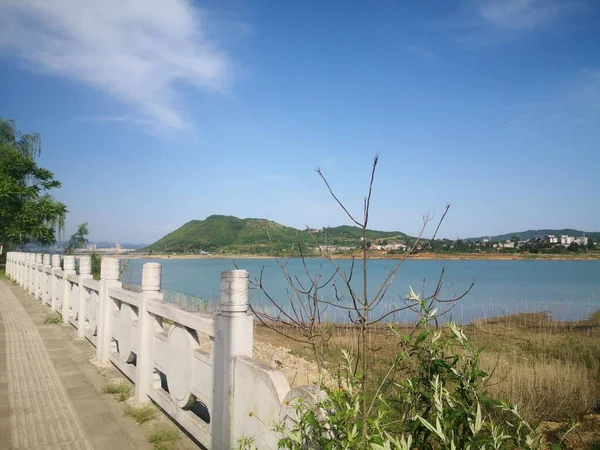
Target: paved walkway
column 49, row 392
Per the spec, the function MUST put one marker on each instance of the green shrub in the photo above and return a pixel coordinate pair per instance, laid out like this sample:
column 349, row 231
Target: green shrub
column 434, row 400
column 121, row 389
column 53, row 318
column 141, row 414
column 164, row 438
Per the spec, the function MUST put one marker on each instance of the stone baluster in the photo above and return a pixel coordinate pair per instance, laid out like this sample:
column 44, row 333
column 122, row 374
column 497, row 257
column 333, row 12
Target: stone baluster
column 55, row 284
column 109, row 278
column 69, row 271
column 151, row 284
column 23, row 270
column 17, row 267
column 31, row 273
column 85, row 273
column 7, row 268
column 20, row 274
column 39, row 264
column 233, row 337
column 46, row 278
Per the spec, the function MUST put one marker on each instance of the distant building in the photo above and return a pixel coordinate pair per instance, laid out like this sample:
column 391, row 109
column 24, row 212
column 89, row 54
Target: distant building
column 552, row 239
column 583, row 240
column 565, row 240
column 508, row 244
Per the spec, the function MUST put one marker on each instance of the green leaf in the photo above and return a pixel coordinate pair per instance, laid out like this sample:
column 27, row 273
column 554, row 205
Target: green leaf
column 421, row 337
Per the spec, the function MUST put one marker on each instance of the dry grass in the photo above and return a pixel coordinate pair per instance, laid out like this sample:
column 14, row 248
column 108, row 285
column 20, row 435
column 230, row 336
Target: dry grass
column 551, row 370
column 53, row 318
column 542, row 388
column 164, row 438
column 121, row 389
column 141, row 414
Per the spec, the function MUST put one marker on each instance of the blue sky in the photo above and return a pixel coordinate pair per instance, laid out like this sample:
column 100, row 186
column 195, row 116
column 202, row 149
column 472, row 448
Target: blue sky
column 156, row 112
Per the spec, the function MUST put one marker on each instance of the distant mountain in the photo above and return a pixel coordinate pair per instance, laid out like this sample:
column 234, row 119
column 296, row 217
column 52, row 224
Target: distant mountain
column 231, row 233
column 532, row 234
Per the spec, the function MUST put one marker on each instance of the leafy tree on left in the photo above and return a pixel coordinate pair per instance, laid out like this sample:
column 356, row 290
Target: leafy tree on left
column 28, row 211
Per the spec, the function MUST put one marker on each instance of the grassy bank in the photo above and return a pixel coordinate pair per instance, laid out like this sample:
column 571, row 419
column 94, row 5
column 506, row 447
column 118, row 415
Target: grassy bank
column 551, row 370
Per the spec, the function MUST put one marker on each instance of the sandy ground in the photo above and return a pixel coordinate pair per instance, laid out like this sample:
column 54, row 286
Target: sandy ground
column 296, row 369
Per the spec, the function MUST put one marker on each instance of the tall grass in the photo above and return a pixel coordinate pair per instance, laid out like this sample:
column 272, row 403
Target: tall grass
column 551, row 370
column 541, row 387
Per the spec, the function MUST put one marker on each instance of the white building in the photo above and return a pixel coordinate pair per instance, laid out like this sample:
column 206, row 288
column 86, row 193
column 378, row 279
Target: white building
column 565, row 240
column 583, row 240
column 552, row 239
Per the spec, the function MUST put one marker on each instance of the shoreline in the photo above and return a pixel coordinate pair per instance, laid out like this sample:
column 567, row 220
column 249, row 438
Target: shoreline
column 418, row 256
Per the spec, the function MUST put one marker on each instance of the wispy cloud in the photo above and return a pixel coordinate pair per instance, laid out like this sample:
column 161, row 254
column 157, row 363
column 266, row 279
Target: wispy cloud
column 482, row 23
column 135, row 50
column 122, row 118
column 524, row 14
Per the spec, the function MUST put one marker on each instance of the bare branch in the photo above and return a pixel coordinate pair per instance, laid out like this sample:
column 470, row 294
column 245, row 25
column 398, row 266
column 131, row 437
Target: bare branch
column 318, row 170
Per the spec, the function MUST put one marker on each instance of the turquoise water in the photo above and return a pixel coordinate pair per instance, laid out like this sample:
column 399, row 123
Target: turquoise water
column 568, row 290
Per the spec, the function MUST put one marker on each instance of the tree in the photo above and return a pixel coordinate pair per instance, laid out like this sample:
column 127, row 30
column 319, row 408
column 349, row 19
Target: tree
column 78, row 239
column 27, row 144
column 28, row 212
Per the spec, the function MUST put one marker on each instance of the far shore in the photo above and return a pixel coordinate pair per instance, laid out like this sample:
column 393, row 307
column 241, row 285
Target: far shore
column 382, row 255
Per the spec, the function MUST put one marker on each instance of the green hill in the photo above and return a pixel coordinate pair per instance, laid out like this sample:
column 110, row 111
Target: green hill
column 533, row 234
column 232, row 234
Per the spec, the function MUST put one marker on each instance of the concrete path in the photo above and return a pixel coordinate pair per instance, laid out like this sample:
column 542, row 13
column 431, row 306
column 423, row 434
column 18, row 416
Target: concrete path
column 49, row 392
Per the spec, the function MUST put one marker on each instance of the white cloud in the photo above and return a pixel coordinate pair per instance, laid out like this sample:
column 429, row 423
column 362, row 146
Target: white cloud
column 524, row 14
column 136, row 50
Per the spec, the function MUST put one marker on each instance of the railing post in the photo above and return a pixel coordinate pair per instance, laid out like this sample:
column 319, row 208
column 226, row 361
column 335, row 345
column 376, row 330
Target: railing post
column 19, row 265
column 8, row 264
column 69, row 270
column 55, row 285
column 46, row 277
column 22, row 269
column 30, row 272
column 7, row 267
column 233, row 337
column 39, row 264
column 151, row 282
column 109, row 278
column 23, row 276
column 85, row 273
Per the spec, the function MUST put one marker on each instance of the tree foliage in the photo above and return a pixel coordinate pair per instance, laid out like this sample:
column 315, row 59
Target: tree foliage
column 28, row 212
column 78, row 239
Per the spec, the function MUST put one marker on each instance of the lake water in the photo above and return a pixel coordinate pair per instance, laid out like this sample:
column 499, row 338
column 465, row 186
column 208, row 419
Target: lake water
column 568, row 290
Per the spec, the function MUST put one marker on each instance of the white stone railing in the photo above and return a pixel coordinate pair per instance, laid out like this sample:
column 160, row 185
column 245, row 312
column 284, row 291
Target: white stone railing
column 197, row 367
